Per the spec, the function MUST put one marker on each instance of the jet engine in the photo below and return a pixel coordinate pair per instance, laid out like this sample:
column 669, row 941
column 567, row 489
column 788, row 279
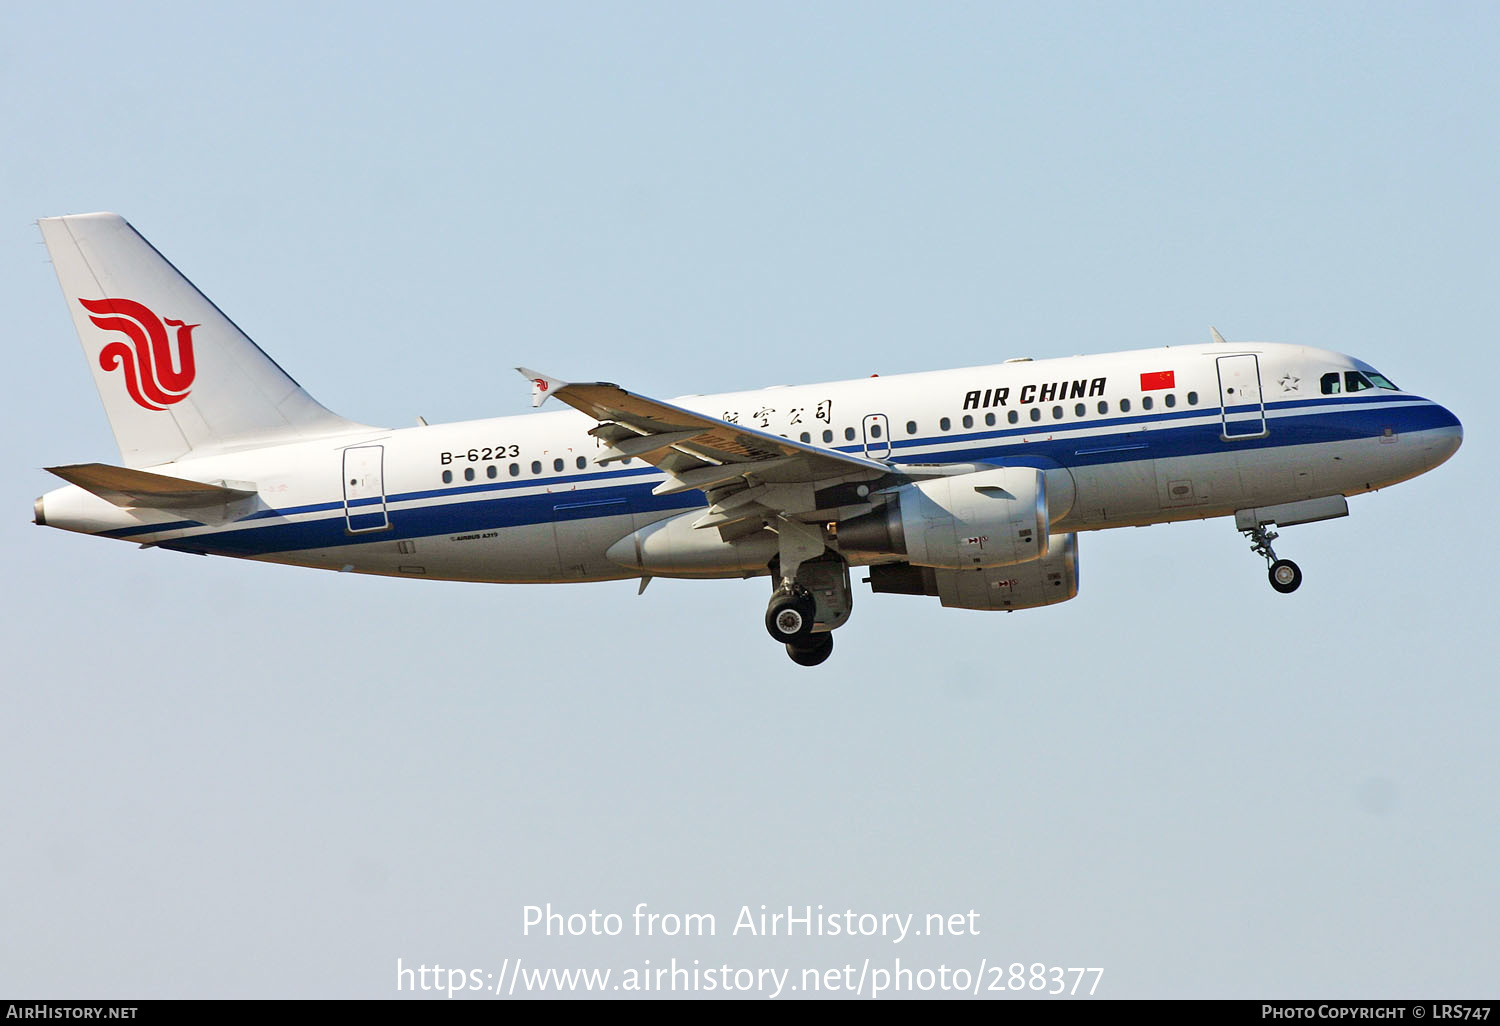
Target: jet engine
column 986, row 518
column 1041, row 582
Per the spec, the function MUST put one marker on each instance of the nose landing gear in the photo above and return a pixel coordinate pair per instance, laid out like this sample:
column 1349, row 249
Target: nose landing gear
column 1285, row 576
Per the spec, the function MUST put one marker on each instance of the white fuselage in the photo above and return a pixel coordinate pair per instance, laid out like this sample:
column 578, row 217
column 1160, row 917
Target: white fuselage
column 1142, row 437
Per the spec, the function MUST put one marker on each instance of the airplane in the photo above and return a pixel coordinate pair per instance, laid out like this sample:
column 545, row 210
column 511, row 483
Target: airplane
column 970, row 486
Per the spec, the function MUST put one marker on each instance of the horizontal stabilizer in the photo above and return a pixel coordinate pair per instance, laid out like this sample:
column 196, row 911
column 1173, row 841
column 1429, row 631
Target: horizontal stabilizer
column 129, row 488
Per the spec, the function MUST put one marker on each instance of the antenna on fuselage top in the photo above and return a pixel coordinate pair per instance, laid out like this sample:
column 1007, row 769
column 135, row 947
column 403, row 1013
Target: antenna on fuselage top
column 1217, row 337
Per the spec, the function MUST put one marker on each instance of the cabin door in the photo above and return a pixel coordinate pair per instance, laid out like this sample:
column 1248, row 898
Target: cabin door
column 1244, row 410
column 364, row 489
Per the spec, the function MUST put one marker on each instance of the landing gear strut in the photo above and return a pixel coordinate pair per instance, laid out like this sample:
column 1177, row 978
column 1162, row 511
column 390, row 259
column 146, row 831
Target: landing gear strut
column 1285, row 575
column 817, row 599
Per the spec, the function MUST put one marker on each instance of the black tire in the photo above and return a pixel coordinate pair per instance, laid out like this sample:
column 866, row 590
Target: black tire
column 789, row 618
column 1285, row 576
column 813, row 651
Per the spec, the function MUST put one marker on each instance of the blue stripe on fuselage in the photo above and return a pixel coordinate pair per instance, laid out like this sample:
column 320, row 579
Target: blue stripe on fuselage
column 1072, row 444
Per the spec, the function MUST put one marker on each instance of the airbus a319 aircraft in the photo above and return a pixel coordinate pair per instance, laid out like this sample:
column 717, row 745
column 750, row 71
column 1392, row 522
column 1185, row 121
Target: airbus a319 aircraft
column 970, row 486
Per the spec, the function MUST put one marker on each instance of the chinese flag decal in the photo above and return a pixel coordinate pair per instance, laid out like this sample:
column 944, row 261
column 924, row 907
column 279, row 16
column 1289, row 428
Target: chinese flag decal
column 1158, row 379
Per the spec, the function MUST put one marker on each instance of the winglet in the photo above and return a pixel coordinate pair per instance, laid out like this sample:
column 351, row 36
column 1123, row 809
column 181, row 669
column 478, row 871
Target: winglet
column 1217, row 337
column 541, row 385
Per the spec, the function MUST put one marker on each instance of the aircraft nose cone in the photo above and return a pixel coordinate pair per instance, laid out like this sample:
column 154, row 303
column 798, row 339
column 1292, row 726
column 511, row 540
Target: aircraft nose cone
column 1449, row 434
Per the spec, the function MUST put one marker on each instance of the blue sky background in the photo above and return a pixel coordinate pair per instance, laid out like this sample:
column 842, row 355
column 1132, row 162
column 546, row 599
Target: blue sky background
column 228, row 779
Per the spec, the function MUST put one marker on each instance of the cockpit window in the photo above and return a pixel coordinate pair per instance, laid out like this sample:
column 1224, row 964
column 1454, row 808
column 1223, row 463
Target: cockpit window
column 1335, row 382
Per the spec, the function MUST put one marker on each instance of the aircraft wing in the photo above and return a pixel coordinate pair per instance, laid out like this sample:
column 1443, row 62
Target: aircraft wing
column 745, row 471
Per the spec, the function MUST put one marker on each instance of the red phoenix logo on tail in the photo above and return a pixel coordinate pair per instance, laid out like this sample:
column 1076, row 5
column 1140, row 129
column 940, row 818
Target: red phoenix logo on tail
column 154, row 378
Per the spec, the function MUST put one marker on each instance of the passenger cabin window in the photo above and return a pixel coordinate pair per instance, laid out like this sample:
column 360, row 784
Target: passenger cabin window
column 968, row 421
column 491, row 471
column 536, row 466
column 1124, row 405
column 515, row 470
column 1012, row 416
column 1146, row 402
column 1103, row 406
column 1170, row 400
column 911, row 427
column 582, row 462
column 557, row 464
column 874, row 430
column 1192, row 398
column 447, row 477
column 805, row 437
column 944, row 424
column 1036, row 413
column 468, row 473
column 848, row 434
column 1057, row 413
column 989, row 420
column 827, row 436
column 1080, row 410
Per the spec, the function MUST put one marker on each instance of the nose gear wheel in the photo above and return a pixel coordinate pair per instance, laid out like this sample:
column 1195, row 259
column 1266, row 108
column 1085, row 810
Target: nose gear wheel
column 1285, row 576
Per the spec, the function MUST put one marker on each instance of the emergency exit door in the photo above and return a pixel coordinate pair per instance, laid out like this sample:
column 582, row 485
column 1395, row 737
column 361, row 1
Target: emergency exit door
column 877, row 436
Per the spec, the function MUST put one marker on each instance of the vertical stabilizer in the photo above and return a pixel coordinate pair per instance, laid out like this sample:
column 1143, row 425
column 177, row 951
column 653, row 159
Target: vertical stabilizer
column 176, row 375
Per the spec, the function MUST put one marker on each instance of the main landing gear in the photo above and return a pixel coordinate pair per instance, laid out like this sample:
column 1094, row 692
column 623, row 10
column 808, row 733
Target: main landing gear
column 1285, row 575
column 790, row 617
column 811, row 602
column 818, row 648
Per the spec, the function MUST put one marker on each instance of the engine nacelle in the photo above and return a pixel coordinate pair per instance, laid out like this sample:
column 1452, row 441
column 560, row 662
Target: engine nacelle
column 1041, row 582
column 970, row 521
